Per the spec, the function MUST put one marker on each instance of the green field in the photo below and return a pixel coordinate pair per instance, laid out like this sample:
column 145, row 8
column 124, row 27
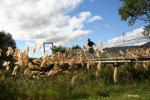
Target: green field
column 84, row 87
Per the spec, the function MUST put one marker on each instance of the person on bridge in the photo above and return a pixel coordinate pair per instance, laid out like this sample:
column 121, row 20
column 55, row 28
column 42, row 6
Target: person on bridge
column 90, row 45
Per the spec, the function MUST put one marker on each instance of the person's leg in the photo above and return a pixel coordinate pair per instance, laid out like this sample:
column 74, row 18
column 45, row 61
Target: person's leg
column 91, row 51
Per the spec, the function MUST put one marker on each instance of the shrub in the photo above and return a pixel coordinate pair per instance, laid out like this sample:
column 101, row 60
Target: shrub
column 6, row 41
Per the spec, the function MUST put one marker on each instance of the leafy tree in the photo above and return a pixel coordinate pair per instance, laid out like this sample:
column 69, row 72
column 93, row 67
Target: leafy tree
column 76, row 47
column 62, row 49
column 133, row 10
column 6, row 41
column 56, row 49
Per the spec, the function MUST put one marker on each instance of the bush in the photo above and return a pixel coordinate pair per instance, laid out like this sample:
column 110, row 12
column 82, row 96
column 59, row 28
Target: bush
column 60, row 49
column 6, row 41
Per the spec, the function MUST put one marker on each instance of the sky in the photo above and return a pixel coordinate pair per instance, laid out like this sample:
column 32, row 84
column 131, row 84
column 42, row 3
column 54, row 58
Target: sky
column 65, row 22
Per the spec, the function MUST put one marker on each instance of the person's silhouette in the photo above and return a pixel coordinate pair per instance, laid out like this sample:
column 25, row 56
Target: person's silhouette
column 90, row 45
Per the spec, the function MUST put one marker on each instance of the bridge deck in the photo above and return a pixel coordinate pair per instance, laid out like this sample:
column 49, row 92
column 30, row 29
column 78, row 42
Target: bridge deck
column 121, row 59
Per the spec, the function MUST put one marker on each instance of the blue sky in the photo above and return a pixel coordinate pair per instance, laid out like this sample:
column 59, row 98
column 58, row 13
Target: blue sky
column 110, row 26
column 64, row 22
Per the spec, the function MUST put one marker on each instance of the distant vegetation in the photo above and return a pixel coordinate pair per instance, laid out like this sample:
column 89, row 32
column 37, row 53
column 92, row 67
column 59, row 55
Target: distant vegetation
column 56, row 49
column 62, row 49
column 76, row 47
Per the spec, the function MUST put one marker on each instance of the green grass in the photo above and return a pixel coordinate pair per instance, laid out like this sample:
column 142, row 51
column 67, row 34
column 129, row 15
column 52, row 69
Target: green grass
column 85, row 87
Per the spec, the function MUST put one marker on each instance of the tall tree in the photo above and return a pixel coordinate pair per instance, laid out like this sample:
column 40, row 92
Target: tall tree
column 133, row 10
column 6, row 41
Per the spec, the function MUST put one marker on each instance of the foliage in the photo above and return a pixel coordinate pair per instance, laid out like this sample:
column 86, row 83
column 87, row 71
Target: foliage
column 135, row 9
column 76, row 47
column 147, row 31
column 6, row 41
column 62, row 49
column 56, row 49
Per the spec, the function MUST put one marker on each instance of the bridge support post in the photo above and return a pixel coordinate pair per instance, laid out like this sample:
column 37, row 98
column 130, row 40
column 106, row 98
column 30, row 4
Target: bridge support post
column 116, row 72
column 98, row 70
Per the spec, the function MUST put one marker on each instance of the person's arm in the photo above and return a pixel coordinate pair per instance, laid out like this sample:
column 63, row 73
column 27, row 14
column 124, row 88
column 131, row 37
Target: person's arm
column 94, row 44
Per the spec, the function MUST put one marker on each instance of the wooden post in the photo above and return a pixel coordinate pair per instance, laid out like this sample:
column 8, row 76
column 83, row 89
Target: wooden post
column 98, row 70
column 116, row 73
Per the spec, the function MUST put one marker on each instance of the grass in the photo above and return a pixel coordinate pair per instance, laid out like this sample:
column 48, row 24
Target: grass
column 85, row 87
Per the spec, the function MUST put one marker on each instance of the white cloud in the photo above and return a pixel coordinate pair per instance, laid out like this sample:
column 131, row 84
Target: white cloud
column 95, row 18
column 134, row 37
column 44, row 20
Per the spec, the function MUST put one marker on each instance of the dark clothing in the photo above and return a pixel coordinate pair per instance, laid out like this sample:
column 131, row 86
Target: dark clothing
column 91, row 50
column 90, row 43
